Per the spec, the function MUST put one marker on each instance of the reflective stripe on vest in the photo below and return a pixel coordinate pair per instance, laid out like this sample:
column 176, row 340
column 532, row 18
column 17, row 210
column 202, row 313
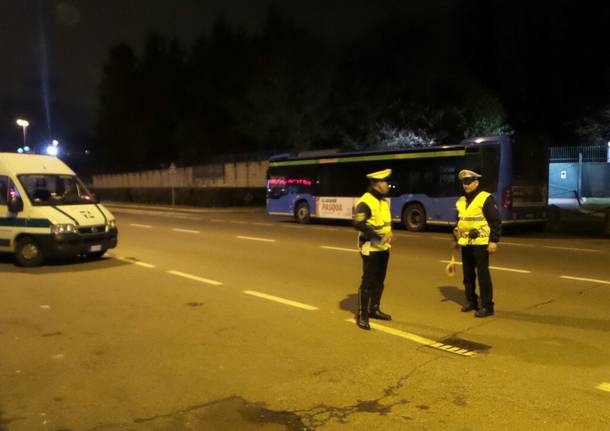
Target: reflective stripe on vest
column 471, row 218
column 380, row 220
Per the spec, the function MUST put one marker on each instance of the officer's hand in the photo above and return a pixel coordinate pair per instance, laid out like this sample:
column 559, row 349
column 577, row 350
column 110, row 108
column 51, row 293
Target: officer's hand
column 387, row 238
column 492, row 247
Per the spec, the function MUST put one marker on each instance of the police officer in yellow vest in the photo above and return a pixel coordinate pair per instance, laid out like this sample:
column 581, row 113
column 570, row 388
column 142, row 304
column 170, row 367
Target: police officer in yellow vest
column 477, row 232
column 373, row 220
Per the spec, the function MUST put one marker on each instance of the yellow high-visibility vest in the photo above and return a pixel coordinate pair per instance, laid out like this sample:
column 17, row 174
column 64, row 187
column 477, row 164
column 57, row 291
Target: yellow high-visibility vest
column 471, row 218
column 381, row 219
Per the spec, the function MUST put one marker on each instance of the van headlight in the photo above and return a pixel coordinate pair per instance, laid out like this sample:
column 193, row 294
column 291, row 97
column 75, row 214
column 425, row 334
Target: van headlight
column 111, row 224
column 63, row 228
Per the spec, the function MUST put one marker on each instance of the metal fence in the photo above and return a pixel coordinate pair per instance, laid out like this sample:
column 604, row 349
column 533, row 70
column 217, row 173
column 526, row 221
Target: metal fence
column 590, row 153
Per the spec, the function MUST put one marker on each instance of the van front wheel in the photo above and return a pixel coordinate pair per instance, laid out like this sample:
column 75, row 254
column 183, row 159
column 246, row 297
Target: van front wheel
column 28, row 253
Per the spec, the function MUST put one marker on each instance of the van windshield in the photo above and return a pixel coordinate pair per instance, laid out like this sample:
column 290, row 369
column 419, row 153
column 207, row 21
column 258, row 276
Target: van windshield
column 44, row 189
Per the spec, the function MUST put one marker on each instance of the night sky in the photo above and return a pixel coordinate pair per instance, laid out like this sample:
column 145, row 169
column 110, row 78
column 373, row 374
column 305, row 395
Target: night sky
column 79, row 34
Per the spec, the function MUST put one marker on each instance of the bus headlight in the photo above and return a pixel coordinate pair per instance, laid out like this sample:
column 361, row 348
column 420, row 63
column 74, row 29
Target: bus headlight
column 63, row 228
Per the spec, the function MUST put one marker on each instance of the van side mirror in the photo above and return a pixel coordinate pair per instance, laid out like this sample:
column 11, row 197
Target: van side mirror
column 15, row 204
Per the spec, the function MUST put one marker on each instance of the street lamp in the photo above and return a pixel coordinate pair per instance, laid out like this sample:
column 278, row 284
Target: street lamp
column 24, row 124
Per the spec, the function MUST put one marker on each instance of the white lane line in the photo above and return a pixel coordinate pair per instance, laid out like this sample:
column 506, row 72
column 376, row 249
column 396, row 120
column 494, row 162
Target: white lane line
column 239, row 222
column 589, row 250
column 325, row 228
column 262, row 224
column 135, row 262
column 499, row 268
column 145, row 226
column 592, row 280
column 280, row 300
column 292, row 226
column 185, row 230
column 194, row 277
column 604, row 387
column 517, row 244
column 216, row 220
column 444, row 238
column 418, row 339
column 352, row 250
column 253, row 238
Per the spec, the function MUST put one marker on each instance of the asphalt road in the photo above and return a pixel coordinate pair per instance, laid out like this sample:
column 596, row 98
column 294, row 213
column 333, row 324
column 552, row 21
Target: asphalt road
column 238, row 321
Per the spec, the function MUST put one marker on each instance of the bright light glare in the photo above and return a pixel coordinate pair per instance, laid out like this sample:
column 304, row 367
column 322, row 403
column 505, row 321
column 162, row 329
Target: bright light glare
column 20, row 150
column 55, row 142
column 52, row 150
column 23, row 123
column 26, row 149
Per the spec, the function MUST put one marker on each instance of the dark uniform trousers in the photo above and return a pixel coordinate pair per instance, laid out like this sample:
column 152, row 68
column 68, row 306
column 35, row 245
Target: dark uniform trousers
column 374, row 267
column 476, row 257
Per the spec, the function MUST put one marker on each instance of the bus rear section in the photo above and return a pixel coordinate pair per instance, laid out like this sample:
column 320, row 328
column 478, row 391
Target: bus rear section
column 525, row 198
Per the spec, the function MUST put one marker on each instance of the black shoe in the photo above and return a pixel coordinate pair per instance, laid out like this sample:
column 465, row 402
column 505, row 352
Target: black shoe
column 469, row 307
column 363, row 321
column 484, row 312
column 379, row 315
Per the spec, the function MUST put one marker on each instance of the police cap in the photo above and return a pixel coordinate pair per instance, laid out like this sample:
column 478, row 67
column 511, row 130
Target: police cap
column 465, row 173
column 379, row 175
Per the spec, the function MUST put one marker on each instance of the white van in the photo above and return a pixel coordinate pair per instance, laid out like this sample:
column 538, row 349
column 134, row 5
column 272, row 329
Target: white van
column 47, row 212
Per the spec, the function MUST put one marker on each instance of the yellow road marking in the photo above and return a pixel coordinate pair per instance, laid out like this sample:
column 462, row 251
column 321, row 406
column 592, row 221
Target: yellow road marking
column 592, row 280
column 280, row 300
column 418, row 339
column 194, row 277
column 604, row 387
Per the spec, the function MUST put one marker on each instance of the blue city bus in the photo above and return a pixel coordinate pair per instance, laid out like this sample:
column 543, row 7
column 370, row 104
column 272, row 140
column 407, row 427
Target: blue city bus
column 423, row 185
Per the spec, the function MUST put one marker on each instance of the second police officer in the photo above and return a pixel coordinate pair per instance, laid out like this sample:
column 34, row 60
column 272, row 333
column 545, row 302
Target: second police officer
column 477, row 232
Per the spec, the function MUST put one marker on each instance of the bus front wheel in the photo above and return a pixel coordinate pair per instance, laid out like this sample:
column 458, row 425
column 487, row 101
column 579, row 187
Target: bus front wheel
column 302, row 213
column 414, row 218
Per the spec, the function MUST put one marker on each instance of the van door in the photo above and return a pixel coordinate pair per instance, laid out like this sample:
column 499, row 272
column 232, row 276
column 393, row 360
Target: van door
column 6, row 231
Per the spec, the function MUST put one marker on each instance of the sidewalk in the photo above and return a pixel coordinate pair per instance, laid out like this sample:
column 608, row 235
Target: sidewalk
column 180, row 208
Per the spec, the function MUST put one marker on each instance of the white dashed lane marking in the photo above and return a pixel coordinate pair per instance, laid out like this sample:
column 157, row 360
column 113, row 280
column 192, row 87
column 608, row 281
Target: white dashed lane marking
column 185, row 230
column 516, row 244
column 239, row 222
column 419, row 339
column 261, row 224
column 135, row 262
column 591, row 280
column 144, row 226
column 499, row 268
column 254, row 238
column 325, row 228
column 351, row 250
column 216, row 220
column 280, row 300
column 195, row 278
column 589, row 250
